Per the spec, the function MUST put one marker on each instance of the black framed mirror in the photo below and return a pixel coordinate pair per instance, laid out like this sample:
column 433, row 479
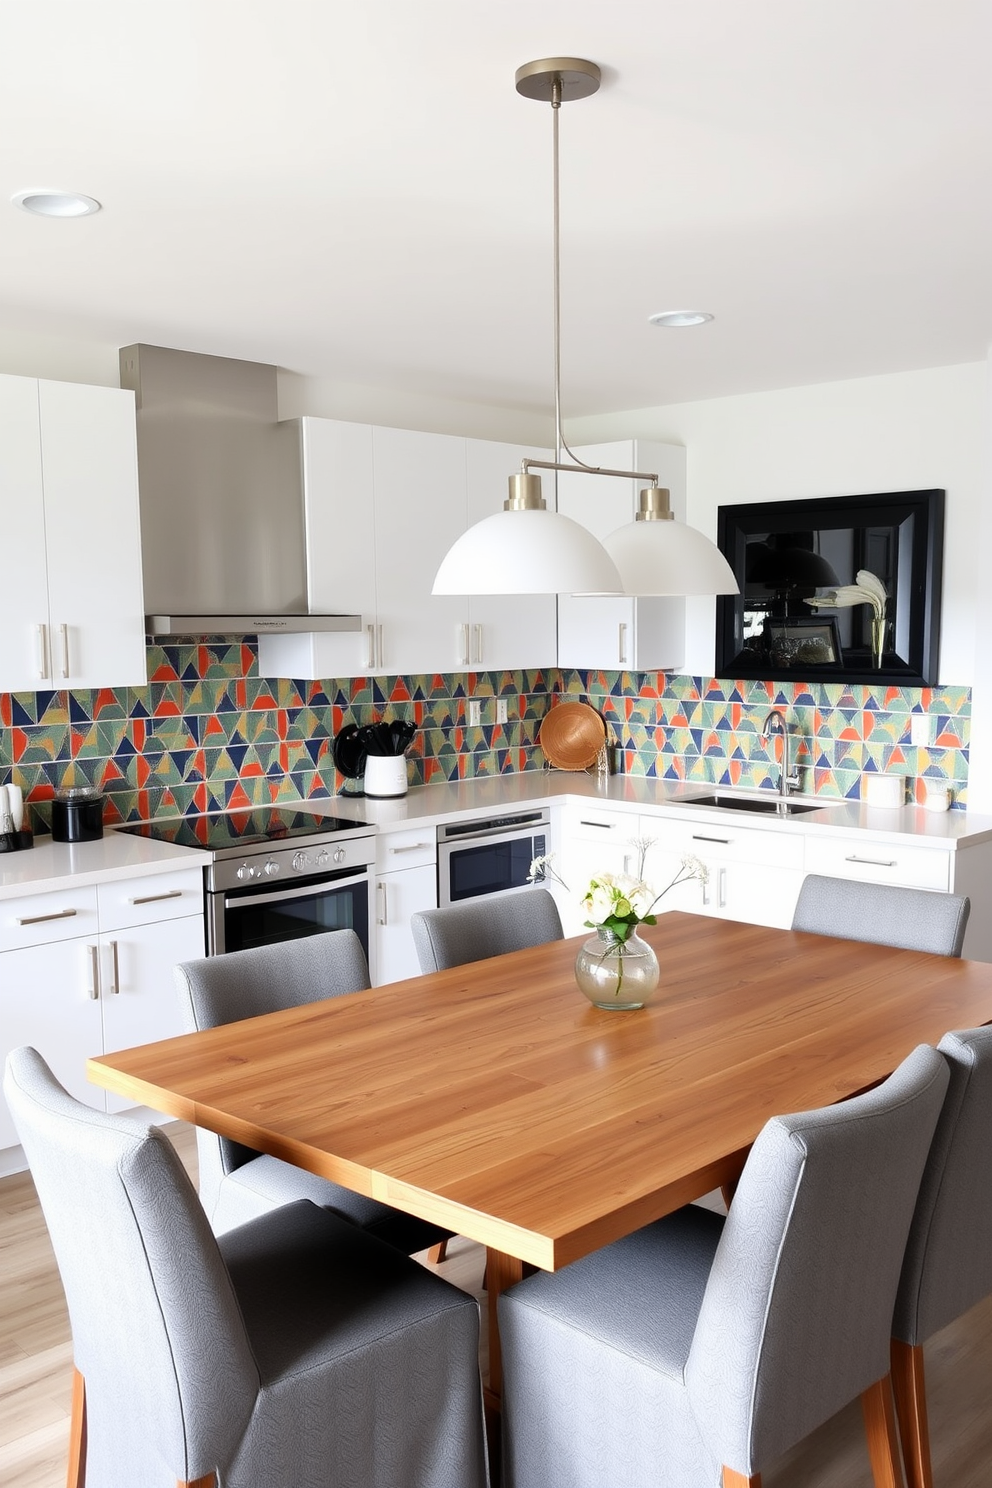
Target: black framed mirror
column 886, row 552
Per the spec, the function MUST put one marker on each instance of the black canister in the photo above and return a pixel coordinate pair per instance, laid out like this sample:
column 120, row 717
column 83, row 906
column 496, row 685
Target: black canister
column 77, row 815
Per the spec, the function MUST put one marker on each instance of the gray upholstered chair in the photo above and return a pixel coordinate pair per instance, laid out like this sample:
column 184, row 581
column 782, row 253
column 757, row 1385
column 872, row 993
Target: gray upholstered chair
column 294, row 1350
column 486, row 927
column 948, row 1265
column 701, row 1342
column 884, row 914
column 237, row 1183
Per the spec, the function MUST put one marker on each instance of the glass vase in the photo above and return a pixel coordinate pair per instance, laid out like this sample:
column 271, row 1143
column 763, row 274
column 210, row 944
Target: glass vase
column 617, row 974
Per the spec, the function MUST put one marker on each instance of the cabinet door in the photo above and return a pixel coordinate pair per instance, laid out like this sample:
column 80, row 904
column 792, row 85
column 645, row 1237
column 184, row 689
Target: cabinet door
column 642, row 634
column 595, row 840
column 507, row 632
column 137, row 994
column 90, row 473
column 24, row 591
column 398, row 896
column 419, row 512
column 47, row 1000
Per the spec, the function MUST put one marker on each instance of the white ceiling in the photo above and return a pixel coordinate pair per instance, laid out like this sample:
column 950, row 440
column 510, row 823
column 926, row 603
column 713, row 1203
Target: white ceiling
column 353, row 189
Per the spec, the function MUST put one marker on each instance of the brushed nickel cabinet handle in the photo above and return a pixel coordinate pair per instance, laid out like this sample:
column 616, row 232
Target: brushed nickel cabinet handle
column 380, row 889
column 463, row 652
column 43, row 659
column 724, row 841
column 370, row 633
column 64, row 635
column 115, row 974
column 60, row 914
column 154, row 898
column 721, row 889
column 414, row 847
column 622, row 643
column 94, row 986
column 606, row 826
column 478, row 644
column 873, row 862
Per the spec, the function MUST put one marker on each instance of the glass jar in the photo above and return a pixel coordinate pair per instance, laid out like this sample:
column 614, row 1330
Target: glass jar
column 617, row 974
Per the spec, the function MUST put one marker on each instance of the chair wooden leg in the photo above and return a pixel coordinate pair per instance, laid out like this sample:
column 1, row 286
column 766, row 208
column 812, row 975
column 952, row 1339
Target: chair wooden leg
column 909, row 1388
column 880, row 1428
column 733, row 1479
column 76, row 1470
column 438, row 1253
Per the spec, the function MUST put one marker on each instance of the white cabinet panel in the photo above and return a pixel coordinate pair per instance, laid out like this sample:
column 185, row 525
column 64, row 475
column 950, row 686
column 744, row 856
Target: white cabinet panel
column 879, row 861
column 644, row 634
column 46, row 1001
column 383, row 506
column 70, row 486
column 506, row 632
column 398, row 896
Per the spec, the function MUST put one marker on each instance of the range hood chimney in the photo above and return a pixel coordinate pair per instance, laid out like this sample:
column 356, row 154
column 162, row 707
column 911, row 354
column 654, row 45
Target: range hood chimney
column 223, row 542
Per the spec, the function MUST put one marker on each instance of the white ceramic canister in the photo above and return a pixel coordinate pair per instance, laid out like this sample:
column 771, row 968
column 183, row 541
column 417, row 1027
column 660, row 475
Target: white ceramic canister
column 385, row 775
column 885, row 790
column 938, row 796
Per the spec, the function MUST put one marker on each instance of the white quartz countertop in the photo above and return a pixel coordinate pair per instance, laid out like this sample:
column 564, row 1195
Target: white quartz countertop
column 48, row 865
column 431, row 804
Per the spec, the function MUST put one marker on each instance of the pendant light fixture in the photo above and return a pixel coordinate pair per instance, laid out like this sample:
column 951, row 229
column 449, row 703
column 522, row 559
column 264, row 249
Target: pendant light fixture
column 527, row 549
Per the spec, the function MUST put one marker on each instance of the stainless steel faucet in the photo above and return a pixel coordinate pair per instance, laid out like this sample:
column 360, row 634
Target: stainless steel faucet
column 788, row 779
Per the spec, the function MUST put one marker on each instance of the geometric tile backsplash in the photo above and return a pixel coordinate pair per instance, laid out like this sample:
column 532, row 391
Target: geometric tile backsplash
column 208, row 733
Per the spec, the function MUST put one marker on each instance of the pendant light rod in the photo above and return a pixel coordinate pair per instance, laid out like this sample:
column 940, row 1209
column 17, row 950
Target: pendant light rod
column 580, row 465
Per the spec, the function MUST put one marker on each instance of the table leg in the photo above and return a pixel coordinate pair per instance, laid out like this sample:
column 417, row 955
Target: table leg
column 502, row 1271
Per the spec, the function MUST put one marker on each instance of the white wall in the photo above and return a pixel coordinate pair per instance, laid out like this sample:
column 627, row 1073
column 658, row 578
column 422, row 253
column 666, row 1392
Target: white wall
column 911, row 431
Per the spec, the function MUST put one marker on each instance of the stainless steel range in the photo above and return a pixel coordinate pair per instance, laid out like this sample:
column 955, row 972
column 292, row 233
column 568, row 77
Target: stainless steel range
column 277, row 874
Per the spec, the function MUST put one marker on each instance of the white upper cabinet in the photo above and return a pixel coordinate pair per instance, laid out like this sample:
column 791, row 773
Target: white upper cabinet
column 383, row 506
column 643, row 634
column 71, row 607
column 506, row 632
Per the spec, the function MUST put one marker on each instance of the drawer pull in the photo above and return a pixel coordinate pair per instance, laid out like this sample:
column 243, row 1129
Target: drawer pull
column 606, row 826
column 873, row 862
column 60, row 914
column 724, row 841
column 154, row 898
column 94, row 987
column 414, row 847
column 381, row 918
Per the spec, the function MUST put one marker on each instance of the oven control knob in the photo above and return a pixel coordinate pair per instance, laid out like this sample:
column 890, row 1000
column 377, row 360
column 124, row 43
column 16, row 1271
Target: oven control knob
column 321, row 857
column 340, row 855
column 247, row 870
column 301, row 861
column 271, row 869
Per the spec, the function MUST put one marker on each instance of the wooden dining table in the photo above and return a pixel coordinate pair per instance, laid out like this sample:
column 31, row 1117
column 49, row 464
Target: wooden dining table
column 494, row 1100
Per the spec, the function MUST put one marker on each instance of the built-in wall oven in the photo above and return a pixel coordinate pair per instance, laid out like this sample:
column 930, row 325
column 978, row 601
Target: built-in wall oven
column 277, row 874
column 490, row 855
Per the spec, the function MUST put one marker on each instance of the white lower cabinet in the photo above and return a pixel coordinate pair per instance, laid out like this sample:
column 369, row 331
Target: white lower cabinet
column 406, row 882
column 594, row 839
column 752, row 876
column 88, row 970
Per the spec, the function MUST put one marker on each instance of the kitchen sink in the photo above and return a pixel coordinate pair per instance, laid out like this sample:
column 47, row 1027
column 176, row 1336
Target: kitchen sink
column 771, row 805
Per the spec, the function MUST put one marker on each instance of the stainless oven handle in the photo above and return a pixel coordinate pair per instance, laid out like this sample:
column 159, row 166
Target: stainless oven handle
column 540, row 823
column 305, row 891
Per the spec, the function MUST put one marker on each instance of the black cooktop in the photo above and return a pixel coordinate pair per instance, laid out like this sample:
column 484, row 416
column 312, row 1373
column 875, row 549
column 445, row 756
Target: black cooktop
column 217, row 830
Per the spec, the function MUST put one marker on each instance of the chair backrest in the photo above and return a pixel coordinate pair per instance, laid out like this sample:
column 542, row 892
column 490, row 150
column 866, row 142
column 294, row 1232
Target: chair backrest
column 795, row 1320
column 214, row 990
column 156, row 1330
column 486, row 927
column 884, row 914
column 948, row 1264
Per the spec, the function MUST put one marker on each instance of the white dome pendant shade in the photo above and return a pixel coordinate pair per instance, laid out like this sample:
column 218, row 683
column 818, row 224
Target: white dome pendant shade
column 526, row 549
column 655, row 554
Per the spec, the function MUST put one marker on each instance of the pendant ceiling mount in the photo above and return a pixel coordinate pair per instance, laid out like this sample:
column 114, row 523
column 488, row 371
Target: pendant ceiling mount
column 575, row 77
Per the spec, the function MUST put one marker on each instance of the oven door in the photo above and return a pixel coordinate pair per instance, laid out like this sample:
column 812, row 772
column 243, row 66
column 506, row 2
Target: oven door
column 238, row 919
column 497, row 864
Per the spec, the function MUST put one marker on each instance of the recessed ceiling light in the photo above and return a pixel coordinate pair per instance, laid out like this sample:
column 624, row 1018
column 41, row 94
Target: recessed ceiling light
column 44, row 202
column 680, row 318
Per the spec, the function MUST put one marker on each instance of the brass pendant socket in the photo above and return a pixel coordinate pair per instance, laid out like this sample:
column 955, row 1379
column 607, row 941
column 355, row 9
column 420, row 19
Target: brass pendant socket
column 575, row 77
column 655, row 505
column 525, row 493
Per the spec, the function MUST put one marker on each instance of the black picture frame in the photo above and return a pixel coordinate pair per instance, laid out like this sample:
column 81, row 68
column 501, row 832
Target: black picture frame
column 798, row 642
column 786, row 552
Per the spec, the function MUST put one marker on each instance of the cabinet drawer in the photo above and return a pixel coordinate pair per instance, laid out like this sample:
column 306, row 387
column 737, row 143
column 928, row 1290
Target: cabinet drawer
column 599, row 824
column 706, row 838
column 879, row 862
column 38, row 919
column 144, row 901
column 411, row 849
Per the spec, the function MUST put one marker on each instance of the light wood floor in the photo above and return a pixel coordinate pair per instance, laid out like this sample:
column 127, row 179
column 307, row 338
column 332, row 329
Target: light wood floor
column 36, row 1363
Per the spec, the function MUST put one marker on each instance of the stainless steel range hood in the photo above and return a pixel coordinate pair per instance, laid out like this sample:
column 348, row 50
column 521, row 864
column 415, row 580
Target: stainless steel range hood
column 223, row 542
